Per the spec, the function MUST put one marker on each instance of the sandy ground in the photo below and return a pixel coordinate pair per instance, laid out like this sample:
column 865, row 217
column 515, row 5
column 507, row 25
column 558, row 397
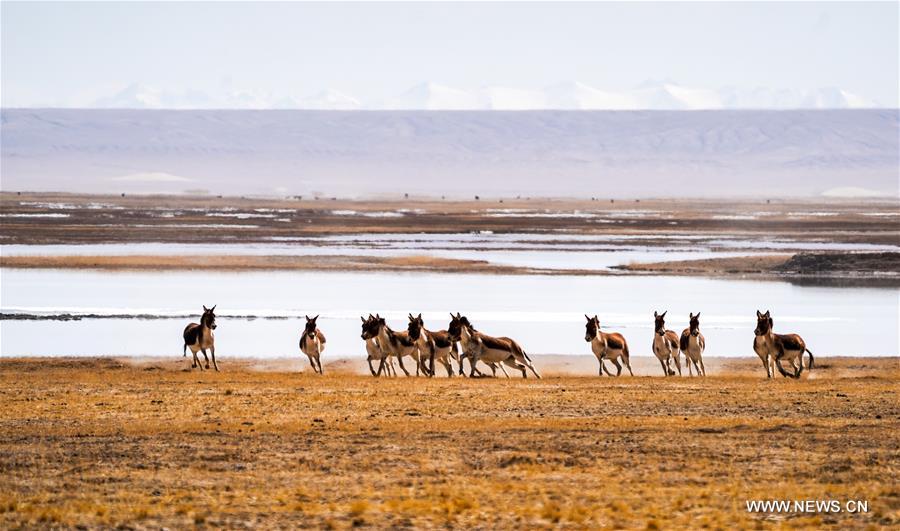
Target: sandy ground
column 149, row 444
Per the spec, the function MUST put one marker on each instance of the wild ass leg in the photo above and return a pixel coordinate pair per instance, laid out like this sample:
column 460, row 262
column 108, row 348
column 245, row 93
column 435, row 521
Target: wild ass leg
column 512, row 362
column 212, row 352
column 203, row 350
column 618, row 366
column 371, row 369
column 702, row 367
column 665, row 368
column 604, row 367
column 765, row 362
column 400, row 359
column 196, row 362
column 449, row 367
column 628, row 364
column 677, row 362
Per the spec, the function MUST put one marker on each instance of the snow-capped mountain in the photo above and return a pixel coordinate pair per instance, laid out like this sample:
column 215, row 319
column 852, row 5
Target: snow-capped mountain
column 574, row 95
column 434, row 97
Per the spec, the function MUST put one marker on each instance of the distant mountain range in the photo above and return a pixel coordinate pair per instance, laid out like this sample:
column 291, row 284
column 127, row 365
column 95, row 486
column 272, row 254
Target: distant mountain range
column 454, row 154
column 651, row 95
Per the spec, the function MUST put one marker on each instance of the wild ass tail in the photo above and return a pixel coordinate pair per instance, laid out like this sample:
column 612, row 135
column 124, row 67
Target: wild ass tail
column 184, row 351
column 811, row 359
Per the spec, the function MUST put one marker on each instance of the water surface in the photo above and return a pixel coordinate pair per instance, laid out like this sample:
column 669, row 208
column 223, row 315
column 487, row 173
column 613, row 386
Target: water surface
column 546, row 313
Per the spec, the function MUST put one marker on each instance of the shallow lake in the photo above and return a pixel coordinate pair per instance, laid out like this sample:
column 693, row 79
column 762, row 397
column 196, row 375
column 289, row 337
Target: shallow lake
column 260, row 313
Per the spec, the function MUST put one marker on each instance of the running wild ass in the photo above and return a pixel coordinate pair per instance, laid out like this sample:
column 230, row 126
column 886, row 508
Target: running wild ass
column 772, row 347
column 489, row 349
column 433, row 345
column 611, row 346
column 665, row 345
column 199, row 337
column 693, row 344
column 312, row 343
column 396, row 344
column 374, row 351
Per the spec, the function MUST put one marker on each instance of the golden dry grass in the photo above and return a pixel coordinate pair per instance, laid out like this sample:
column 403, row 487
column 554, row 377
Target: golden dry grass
column 250, row 263
column 105, row 443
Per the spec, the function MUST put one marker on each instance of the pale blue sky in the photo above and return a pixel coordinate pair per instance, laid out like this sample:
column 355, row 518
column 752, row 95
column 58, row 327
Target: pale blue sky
column 70, row 54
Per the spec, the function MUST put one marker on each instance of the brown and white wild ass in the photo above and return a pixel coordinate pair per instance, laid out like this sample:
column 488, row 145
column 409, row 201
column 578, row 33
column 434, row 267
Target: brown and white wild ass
column 665, row 345
column 693, row 344
column 772, row 347
column 433, row 345
column 312, row 343
column 396, row 344
column 611, row 346
column 489, row 349
column 199, row 337
column 374, row 352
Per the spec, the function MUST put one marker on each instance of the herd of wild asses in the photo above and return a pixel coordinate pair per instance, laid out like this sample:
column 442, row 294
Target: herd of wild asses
column 425, row 347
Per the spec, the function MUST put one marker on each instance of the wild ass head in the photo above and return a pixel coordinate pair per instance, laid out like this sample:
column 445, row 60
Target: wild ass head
column 209, row 317
column 457, row 322
column 695, row 324
column 310, row 329
column 660, row 322
column 591, row 328
column 371, row 326
column 763, row 323
column 416, row 324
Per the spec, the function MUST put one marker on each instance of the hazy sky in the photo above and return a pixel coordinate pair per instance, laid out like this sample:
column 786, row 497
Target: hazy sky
column 71, row 54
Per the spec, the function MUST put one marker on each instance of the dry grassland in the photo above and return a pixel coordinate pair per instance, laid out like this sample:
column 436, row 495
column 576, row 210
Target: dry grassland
column 144, row 445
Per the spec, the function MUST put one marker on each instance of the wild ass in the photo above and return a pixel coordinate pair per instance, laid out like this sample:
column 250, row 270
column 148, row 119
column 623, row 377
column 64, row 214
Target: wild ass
column 665, row 345
column 374, row 351
column 433, row 345
column 770, row 347
column 397, row 344
column 312, row 343
column 200, row 337
column 693, row 344
column 488, row 348
column 611, row 346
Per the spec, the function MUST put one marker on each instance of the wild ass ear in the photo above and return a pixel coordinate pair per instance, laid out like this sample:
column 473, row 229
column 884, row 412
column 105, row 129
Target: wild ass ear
column 213, row 308
column 698, row 315
column 655, row 315
column 588, row 318
column 664, row 313
column 759, row 314
column 205, row 309
column 307, row 318
column 411, row 318
column 361, row 318
column 316, row 317
column 420, row 316
column 596, row 318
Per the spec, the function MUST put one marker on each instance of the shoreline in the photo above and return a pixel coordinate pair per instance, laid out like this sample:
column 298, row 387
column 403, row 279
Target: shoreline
column 870, row 269
column 551, row 366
